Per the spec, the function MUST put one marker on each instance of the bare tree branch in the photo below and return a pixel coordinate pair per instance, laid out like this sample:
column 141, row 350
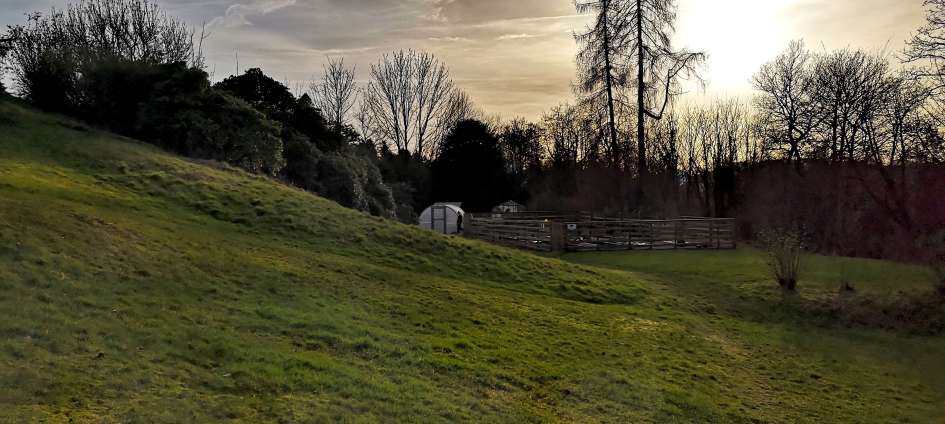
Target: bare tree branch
column 336, row 93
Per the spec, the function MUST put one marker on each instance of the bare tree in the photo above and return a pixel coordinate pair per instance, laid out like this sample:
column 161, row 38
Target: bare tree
column 335, row 94
column 928, row 44
column 712, row 142
column 564, row 141
column 413, row 102
column 659, row 67
column 907, row 124
column 601, row 72
column 365, row 118
column 459, row 107
column 434, row 95
column 521, row 145
column 786, row 107
column 928, row 47
column 388, row 97
column 847, row 89
column 629, row 35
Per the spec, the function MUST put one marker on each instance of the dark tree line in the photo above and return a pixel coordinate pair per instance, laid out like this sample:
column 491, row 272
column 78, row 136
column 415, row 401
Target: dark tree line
column 832, row 142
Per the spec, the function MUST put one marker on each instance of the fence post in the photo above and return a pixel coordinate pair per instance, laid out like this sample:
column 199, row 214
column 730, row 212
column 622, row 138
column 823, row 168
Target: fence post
column 559, row 237
column 630, row 236
column 676, row 232
column 652, row 236
column 713, row 235
column 469, row 227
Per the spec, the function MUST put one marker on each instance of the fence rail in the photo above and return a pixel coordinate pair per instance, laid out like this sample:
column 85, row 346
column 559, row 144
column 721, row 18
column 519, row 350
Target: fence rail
column 523, row 233
column 689, row 233
column 577, row 233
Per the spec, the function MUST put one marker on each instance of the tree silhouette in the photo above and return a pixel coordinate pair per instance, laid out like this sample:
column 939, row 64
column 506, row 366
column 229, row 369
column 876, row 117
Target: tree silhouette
column 412, row 102
column 261, row 92
column 336, row 92
column 470, row 168
column 786, row 107
column 630, row 35
column 928, row 44
column 658, row 66
column 603, row 43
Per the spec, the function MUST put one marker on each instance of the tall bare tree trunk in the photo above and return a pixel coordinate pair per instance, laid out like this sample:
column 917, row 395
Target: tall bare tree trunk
column 641, row 106
column 614, row 145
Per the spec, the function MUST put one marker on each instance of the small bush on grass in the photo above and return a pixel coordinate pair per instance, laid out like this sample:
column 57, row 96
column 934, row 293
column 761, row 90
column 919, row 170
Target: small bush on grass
column 938, row 265
column 933, row 248
column 784, row 256
column 939, row 269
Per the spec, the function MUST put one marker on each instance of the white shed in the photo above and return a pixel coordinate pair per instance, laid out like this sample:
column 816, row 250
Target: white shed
column 443, row 218
column 509, row 207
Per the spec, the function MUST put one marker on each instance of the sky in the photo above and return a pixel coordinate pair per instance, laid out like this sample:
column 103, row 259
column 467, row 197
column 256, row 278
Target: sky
column 514, row 57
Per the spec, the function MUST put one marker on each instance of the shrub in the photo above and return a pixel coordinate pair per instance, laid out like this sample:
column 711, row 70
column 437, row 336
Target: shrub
column 939, row 268
column 301, row 161
column 225, row 128
column 261, row 92
column 51, row 53
column 346, row 176
column 784, row 249
column 214, row 125
column 403, row 199
column 355, row 182
column 4, row 48
column 932, row 246
column 46, row 77
column 114, row 90
column 298, row 117
column 410, row 179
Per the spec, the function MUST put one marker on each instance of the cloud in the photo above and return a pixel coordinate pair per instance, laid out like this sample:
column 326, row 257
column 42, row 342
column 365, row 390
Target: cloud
column 434, row 10
column 448, row 39
column 506, row 37
column 238, row 14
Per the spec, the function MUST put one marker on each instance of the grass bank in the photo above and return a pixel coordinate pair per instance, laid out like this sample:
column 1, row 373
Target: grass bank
column 136, row 286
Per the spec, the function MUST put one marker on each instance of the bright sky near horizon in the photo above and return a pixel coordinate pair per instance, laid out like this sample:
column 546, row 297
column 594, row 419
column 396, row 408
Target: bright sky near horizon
column 514, row 57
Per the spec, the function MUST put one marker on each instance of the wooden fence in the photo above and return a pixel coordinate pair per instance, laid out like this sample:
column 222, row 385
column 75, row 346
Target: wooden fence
column 577, row 233
column 687, row 233
column 523, row 233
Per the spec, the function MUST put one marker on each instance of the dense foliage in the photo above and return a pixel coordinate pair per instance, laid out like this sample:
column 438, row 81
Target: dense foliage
column 4, row 50
column 320, row 157
column 470, row 167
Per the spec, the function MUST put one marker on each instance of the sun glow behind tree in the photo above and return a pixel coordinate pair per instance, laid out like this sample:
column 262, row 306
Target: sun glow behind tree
column 739, row 36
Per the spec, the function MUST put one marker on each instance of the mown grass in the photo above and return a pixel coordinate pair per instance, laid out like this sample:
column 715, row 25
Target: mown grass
column 136, row 286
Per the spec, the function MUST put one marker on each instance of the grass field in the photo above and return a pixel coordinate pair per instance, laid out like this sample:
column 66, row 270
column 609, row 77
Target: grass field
column 136, row 286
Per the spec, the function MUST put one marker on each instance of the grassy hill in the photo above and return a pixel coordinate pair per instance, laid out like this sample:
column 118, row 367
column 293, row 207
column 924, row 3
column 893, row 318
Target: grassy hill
column 136, row 286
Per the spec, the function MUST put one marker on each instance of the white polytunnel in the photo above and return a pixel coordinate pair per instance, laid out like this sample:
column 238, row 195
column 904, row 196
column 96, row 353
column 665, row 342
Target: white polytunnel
column 446, row 218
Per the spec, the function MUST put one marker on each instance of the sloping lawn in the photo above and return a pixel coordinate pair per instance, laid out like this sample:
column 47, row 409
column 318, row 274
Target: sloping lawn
column 136, row 286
